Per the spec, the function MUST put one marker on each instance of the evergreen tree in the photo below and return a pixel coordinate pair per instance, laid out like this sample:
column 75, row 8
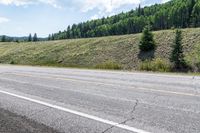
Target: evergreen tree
column 3, row 38
column 29, row 38
column 147, row 42
column 17, row 40
column 68, row 32
column 177, row 56
column 49, row 37
column 196, row 15
column 139, row 10
column 52, row 37
column 35, row 39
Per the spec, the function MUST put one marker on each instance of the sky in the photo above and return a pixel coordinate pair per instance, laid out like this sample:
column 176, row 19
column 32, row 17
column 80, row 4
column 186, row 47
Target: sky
column 22, row 17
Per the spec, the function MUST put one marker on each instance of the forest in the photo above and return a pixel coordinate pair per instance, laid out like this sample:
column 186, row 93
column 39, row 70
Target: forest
column 173, row 14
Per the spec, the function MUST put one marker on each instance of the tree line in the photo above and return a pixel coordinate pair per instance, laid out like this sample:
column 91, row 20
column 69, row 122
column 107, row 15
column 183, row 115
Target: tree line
column 32, row 39
column 173, row 14
column 5, row 38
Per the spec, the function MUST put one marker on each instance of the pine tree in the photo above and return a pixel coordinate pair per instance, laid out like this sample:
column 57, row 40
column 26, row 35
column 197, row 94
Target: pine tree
column 177, row 56
column 139, row 10
column 68, row 32
column 49, row 37
column 3, row 38
column 17, row 41
column 147, row 42
column 29, row 38
column 196, row 15
column 35, row 39
column 52, row 37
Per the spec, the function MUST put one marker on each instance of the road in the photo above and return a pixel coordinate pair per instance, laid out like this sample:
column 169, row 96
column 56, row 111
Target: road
column 92, row 101
column 21, row 124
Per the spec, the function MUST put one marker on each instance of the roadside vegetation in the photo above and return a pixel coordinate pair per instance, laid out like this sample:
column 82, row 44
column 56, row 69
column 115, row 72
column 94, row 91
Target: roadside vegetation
column 155, row 65
column 177, row 57
column 113, row 52
column 109, row 65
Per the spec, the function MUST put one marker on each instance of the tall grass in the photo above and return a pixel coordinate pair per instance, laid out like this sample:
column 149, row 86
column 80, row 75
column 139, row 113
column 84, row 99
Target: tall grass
column 193, row 59
column 158, row 64
column 109, row 65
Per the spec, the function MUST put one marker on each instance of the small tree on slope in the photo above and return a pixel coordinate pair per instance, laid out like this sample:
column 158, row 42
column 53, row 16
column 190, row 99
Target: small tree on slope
column 147, row 42
column 35, row 39
column 29, row 38
column 3, row 38
column 177, row 56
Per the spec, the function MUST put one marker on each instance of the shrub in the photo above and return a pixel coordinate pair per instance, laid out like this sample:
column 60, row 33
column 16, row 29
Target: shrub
column 197, row 67
column 12, row 62
column 158, row 64
column 108, row 65
column 193, row 58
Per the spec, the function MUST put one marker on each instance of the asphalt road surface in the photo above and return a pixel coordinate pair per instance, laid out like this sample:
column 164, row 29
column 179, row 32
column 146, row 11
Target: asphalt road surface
column 92, row 101
column 12, row 123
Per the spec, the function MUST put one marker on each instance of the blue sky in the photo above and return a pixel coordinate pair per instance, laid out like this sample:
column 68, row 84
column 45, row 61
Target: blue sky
column 21, row 17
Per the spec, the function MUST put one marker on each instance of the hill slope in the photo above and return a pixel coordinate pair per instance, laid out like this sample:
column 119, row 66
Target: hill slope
column 90, row 52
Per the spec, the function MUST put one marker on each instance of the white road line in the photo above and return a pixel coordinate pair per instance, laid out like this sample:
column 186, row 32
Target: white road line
column 122, row 126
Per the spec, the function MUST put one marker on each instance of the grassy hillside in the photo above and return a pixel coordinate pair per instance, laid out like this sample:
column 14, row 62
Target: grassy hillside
column 93, row 52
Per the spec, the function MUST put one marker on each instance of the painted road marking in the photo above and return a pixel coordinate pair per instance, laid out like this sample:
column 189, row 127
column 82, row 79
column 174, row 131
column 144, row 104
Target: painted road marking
column 110, row 84
column 122, row 126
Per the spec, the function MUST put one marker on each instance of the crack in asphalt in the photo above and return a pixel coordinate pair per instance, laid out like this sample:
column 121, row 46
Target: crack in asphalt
column 125, row 121
column 134, row 107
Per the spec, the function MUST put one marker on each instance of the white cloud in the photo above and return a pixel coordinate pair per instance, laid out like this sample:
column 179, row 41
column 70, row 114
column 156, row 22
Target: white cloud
column 4, row 20
column 164, row 1
column 16, row 2
column 53, row 3
column 106, row 5
column 96, row 16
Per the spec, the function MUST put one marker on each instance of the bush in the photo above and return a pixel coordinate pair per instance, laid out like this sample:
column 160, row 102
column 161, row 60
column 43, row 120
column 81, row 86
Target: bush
column 194, row 61
column 193, row 58
column 197, row 67
column 109, row 65
column 158, row 64
column 12, row 62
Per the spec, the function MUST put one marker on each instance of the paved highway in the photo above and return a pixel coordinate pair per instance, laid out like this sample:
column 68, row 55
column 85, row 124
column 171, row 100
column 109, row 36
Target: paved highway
column 91, row 101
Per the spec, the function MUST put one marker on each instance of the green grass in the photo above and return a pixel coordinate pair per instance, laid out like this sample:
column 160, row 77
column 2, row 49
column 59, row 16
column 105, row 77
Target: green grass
column 122, row 51
column 108, row 65
column 155, row 65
